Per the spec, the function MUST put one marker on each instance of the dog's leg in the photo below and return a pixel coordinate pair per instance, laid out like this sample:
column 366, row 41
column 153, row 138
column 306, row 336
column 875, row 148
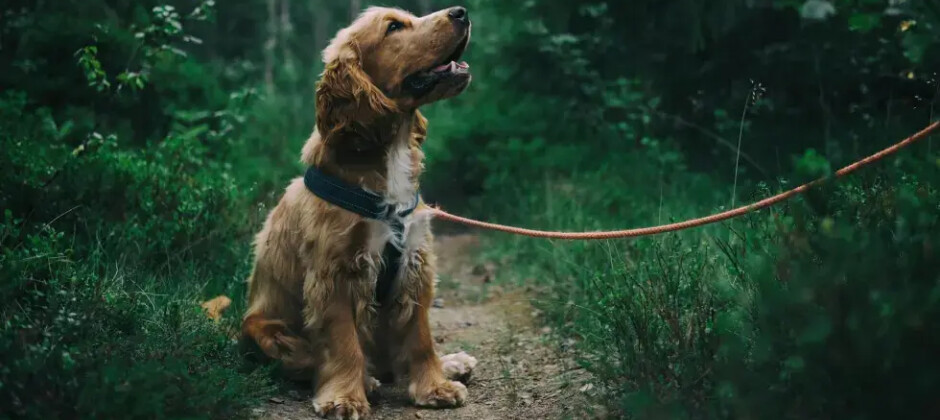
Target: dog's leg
column 277, row 341
column 428, row 387
column 414, row 343
column 272, row 322
column 340, row 389
column 383, row 366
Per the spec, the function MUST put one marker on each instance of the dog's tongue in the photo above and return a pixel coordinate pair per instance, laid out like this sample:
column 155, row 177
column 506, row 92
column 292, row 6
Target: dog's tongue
column 451, row 66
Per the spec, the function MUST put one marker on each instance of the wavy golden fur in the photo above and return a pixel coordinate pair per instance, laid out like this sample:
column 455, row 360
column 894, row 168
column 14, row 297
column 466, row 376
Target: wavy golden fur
column 311, row 303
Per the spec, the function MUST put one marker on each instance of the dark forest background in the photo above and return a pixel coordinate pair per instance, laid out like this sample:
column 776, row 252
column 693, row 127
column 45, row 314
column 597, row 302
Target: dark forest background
column 143, row 141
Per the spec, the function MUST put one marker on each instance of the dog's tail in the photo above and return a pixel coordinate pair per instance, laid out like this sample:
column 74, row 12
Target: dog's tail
column 277, row 341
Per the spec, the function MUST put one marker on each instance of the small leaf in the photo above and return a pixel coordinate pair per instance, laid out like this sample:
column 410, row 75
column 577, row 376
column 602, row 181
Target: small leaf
column 864, row 22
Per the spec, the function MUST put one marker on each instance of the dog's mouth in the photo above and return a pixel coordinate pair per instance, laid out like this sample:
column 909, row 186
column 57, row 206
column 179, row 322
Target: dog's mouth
column 424, row 81
column 452, row 63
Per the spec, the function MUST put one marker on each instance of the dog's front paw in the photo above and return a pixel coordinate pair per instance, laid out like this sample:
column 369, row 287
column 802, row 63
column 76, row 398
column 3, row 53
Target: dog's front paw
column 341, row 408
column 443, row 394
column 372, row 385
column 458, row 366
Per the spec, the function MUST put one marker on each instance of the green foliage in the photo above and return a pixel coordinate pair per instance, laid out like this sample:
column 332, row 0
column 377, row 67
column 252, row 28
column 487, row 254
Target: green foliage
column 838, row 327
column 814, row 309
column 805, row 310
column 123, row 209
column 85, row 338
column 88, row 59
column 554, row 74
column 137, row 139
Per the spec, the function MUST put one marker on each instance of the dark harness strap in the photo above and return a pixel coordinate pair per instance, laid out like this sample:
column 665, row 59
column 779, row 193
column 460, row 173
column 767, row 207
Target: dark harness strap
column 369, row 205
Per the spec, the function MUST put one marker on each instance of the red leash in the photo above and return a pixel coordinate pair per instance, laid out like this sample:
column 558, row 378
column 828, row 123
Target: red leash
column 653, row 230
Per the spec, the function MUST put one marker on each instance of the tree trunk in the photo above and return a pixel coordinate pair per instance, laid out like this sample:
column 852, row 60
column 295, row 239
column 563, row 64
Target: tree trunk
column 321, row 24
column 322, row 16
column 355, row 7
column 424, row 7
column 286, row 26
column 287, row 59
column 286, row 32
column 269, row 47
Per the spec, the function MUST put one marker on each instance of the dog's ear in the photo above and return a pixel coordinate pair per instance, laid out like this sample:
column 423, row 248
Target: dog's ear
column 345, row 94
column 419, row 128
column 310, row 154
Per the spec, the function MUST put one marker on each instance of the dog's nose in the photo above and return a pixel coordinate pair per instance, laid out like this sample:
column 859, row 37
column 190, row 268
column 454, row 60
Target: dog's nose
column 459, row 14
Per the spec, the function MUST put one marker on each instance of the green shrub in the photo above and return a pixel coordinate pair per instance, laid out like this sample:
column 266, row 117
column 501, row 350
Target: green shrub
column 840, row 324
column 116, row 227
column 818, row 308
column 85, row 337
column 103, row 321
column 135, row 148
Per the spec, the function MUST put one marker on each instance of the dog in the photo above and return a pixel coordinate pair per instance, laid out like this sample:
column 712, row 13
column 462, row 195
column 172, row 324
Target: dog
column 312, row 295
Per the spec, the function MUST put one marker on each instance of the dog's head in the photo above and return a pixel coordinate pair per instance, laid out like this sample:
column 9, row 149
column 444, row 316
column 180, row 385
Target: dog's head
column 391, row 61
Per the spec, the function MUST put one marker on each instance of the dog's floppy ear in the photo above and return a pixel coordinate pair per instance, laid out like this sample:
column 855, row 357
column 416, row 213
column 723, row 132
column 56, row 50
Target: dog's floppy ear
column 345, row 93
column 419, row 128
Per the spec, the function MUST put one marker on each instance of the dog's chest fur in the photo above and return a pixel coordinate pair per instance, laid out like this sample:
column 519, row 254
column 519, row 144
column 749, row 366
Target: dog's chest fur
column 400, row 162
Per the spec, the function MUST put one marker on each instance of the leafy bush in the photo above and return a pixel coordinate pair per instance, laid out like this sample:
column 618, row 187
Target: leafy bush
column 136, row 139
column 812, row 309
column 839, row 324
column 816, row 309
column 563, row 82
column 85, row 338
column 115, row 228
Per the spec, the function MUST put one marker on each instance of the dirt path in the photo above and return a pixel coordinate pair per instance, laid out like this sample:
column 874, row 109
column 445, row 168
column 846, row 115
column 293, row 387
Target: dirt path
column 519, row 375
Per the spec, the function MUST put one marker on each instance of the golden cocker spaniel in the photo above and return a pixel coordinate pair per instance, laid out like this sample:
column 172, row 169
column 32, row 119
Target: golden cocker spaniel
column 312, row 293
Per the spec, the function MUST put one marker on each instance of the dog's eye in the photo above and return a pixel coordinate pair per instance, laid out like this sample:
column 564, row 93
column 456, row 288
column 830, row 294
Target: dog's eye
column 394, row 26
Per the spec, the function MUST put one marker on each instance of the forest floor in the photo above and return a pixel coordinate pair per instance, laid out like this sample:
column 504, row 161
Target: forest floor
column 521, row 374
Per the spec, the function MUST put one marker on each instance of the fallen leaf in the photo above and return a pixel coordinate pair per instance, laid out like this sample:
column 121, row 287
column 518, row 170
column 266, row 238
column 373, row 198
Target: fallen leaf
column 215, row 306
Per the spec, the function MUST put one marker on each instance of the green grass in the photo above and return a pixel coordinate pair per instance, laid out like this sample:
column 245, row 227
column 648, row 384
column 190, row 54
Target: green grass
column 106, row 252
column 140, row 147
column 88, row 336
column 805, row 310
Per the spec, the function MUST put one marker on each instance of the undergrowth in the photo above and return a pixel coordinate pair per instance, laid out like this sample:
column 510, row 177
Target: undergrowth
column 142, row 143
column 817, row 308
column 124, row 205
